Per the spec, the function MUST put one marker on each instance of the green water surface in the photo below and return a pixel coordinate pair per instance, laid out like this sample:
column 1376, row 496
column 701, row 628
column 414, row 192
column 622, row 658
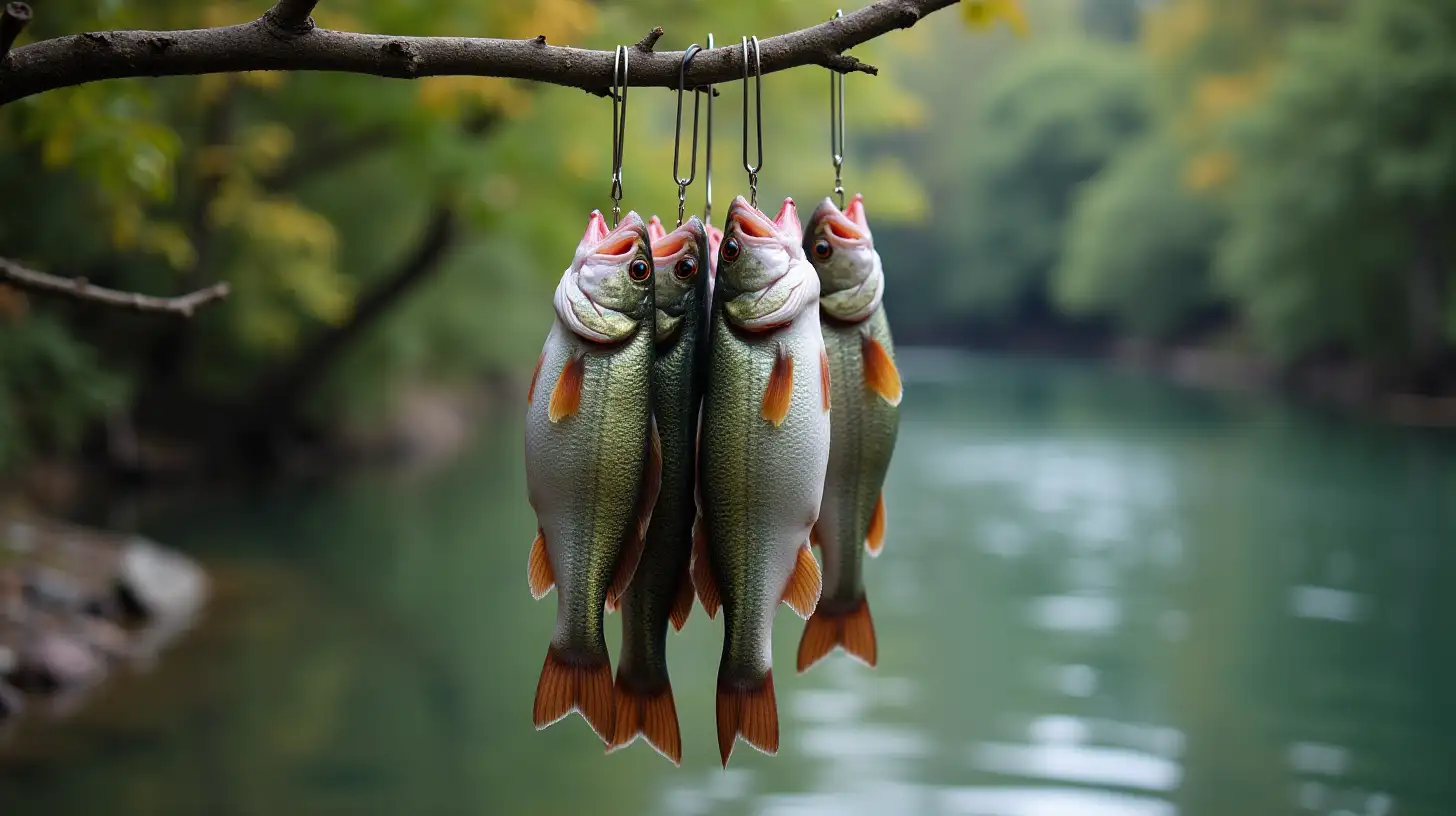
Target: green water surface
column 1099, row 596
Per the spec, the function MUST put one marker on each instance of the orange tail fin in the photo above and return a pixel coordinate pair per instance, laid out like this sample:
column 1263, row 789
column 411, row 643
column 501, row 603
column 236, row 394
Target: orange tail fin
column 852, row 630
column 568, row 685
column 650, row 716
column 752, row 714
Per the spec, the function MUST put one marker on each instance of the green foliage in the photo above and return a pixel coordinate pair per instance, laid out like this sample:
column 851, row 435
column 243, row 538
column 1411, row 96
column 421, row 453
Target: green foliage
column 1346, row 186
column 1139, row 246
column 52, row 388
column 1047, row 124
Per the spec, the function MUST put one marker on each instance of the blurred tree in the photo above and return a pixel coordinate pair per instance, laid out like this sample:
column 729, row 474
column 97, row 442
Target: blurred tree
column 1047, row 124
column 1346, row 190
column 1139, row 246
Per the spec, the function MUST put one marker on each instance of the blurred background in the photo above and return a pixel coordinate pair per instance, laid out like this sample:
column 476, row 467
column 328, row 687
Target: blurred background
column 1171, row 518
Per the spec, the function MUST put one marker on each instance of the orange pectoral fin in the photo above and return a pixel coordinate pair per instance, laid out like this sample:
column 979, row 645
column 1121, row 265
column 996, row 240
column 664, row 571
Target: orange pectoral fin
column 682, row 605
column 702, row 572
column 535, row 375
column 880, row 373
column 752, row 714
column 566, row 396
column 802, row 591
column 824, row 376
column 631, row 553
column 779, row 394
column 875, row 540
column 651, row 716
column 538, row 569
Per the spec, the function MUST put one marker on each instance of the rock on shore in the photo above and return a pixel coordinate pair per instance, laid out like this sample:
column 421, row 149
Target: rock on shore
column 75, row 602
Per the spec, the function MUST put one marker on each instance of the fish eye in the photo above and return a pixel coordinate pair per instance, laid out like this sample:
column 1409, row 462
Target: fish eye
column 822, row 249
column 730, row 250
column 639, row 270
column 685, row 268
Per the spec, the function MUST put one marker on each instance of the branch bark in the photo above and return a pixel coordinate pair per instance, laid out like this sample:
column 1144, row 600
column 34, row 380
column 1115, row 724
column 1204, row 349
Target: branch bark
column 14, row 274
column 279, row 42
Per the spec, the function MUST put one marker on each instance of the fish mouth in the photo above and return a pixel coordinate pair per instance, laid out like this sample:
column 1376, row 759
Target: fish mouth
column 673, row 246
column 843, row 229
column 752, row 226
column 620, row 243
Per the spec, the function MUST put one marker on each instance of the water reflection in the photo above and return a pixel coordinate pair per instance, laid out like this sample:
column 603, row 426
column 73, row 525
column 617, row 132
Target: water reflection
column 1099, row 595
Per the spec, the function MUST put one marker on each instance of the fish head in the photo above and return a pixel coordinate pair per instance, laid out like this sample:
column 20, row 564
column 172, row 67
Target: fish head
column 839, row 245
column 680, row 277
column 606, row 293
column 763, row 275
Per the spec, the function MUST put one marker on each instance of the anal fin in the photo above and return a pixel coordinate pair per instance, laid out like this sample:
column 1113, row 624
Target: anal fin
column 583, row 686
column 779, row 394
column 875, row 538
column 538, row 568
column 880, row 373
column 805, row 583
column 852, row 630
column 750, row 713
column 566, row 395
column 682, row 603
column 702, row 570
column 652, row 716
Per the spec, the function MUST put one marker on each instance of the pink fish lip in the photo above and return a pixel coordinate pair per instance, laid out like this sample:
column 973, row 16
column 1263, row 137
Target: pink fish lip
column 621, row 243
column 672, row 246
column 751, row 225
column 838, row 227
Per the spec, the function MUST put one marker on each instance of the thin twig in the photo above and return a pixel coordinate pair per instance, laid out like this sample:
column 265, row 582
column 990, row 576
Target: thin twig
column 257, row 46
column 13, row 274
column 12, row 21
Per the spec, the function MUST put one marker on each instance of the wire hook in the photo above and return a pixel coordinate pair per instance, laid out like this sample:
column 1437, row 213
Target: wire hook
column 708, row 153
column 682, row 183
column 836, row 124
column 758, row 106
column 619, row 128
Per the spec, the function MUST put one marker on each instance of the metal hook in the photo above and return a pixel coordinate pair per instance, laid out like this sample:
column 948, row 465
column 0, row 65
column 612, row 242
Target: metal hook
column 619, row 128
column 836, row 124
column 758, row 105
column 708, row 152
column 682, row 183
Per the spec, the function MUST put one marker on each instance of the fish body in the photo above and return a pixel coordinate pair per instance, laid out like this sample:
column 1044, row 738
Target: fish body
column 661, row 590
column 865, row 393
column 591, row 460
column 764, row 447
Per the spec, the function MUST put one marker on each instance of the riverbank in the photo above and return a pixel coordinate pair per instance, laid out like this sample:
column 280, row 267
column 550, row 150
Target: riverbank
column 77, row 604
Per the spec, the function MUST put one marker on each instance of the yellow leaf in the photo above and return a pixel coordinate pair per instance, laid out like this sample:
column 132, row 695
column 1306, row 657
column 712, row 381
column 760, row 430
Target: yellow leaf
column 980, row 15
column 1209, row 170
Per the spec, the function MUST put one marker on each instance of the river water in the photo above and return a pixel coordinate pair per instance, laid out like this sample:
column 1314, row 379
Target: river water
column 1100, row 595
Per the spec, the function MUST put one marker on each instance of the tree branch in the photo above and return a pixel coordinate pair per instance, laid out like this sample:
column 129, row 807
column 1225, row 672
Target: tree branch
column 13, row 19
column 274, row 43
column 18, row 276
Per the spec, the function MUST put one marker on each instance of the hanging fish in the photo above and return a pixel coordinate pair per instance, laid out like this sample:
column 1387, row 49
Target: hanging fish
column 715, row 240
column 592, row 461
column 764, row 445
column 662, row 590
column 866, row 395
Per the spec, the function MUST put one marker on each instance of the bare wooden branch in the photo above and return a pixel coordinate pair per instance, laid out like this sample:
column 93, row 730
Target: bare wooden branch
column 290, row 17
column 650, row 41
column 13, row 274
column 265, row 45
column 12, row 21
